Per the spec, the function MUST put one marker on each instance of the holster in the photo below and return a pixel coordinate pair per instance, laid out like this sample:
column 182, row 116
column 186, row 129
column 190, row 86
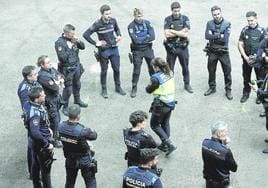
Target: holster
column 97, row 55
column 94, row 166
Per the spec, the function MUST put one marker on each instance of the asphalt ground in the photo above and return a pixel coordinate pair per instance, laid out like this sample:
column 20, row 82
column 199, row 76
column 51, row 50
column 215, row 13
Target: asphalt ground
column 30, row 28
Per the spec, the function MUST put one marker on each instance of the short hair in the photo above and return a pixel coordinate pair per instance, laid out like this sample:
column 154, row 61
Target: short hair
column 137, row 11
column 68, row 28
column 218, row 127
column 215, row 7
column 41, row 60
column 27, row 70
column 34, row 93
column 251, row 13
column 148, row 154
column 73, row 111
column 175, row 5
column 137, row 117
column 104, row 8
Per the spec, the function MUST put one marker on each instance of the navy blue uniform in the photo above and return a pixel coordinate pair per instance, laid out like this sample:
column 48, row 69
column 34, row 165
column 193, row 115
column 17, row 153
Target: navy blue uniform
column 141, row 34
column 38, row 124
column 251, row 38
column 47, row 79
column 23, row 90
column 178, row 46
column 105, row 32
column 263, row 96
column 77, row 152
column 218, row 36
column 136, row 140
column 70, row 66
column 218, row 161
column 263, row 49
column 140, row 178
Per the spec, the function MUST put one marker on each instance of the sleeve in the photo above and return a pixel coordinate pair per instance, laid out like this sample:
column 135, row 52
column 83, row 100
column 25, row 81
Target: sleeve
column 151, row 34
column 241, row 37
column 34, row 123
column 186, row 23
column 230, row 162
column 116, row 28
column 226, row 34
column 89, row 134
column 158, row 184
column 208, row 33
column 153, row 85
column 48, row 83
column 80, row 45
column 61, row 52
column 261, row 50
column 23, row 96
column 87, row 34
column 166, row 23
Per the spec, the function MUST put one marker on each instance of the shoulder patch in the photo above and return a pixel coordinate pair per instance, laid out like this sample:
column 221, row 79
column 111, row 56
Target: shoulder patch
column 130, row 30
column 50, row 82
column 59, row 48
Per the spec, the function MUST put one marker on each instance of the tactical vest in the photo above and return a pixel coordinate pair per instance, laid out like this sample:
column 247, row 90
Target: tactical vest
column 73, row 144
column 217, row 28
column 141, row 30
column 52, row 74
column 177, row 24
column 216, row 152
column 73, row 58
column 166, row 90
column 133, row 177
column 251, row 39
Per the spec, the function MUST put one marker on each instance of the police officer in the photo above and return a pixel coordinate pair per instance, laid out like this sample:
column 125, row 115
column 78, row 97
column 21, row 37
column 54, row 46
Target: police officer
column 67, row 47
column 162, row 87
column 109, row 35
column 51, row 80
column 76, row 150
column 142, row 177
column 217, row 33
column 42, row 150
column 262, row 55
column 29, row 74
column 177, row 27
column 217, row 157
column 142, row 34
column 249, row 40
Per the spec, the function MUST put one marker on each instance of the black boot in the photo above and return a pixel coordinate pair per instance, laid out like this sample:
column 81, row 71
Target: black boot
column 104, row 93
column 65, row 109
column 171, row 147
column 78, row 101
column 133, row 91
column 119, row 90
column 163, row 147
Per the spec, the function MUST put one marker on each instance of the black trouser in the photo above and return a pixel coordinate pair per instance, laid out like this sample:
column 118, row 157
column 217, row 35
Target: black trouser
column 53, row 104
column 138, row 55
column 266, row 114
column 72, row 165
column 183, row 56
column 224, row 59
column 160, row 121
column 246, row 72
column 29, row 154
column 40, row 164
column 216, row 184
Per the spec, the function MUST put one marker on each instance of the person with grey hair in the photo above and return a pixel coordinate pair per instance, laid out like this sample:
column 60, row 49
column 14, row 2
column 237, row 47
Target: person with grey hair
column 217, row 157
column 77, row 152
column 67, row 48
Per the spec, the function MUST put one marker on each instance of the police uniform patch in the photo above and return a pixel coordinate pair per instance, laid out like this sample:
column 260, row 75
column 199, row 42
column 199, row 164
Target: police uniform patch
column 36, row 122
column 59, row 48
column 172, row 26
column 130, row 30
column 246, row 36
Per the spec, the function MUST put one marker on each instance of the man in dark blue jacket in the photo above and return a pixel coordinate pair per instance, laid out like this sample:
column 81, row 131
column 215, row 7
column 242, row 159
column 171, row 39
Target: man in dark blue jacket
column 217, row 157
column 29, row 81
column 67, row 47
column 38, row 125
column 142, row 35
column 109, row 35
column 218, row 33
column 76, row 150
column 51, row 81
